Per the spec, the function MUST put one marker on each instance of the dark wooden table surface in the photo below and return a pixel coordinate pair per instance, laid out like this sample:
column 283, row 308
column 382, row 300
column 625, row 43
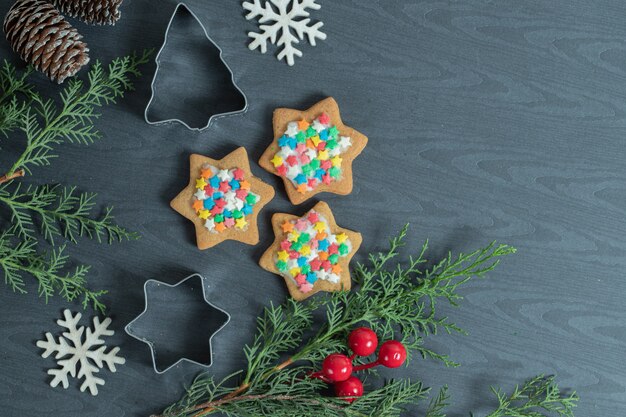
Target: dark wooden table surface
column 489, row 119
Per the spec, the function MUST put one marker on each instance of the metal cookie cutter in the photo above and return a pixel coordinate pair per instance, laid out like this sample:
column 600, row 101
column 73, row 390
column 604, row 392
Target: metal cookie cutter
column 176, row 324
column 222, row 97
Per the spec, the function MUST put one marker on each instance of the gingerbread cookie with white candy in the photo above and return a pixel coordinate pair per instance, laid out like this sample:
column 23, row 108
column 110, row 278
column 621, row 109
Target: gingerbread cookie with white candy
column 223, row 199
column 311, row 252
column 313, row 151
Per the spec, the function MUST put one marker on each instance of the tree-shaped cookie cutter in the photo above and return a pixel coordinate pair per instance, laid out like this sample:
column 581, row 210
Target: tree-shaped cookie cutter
column 152, row 285
column 183, row 8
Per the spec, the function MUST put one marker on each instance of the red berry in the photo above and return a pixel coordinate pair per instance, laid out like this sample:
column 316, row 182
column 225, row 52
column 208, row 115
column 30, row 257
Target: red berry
column 392, row 354
column 363, row 341
column 337, row 367
column 351, row 387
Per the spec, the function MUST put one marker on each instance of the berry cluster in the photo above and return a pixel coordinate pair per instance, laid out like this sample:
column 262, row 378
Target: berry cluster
column 337, row 368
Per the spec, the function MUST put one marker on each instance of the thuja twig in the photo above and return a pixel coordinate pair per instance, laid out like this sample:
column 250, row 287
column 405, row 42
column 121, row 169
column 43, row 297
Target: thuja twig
column 210, row 406
column 12, row 84
column 398, row 302
column 8, row 177
column 50, row 272
column 45, row 125
column 537, row 395
column 59, row 211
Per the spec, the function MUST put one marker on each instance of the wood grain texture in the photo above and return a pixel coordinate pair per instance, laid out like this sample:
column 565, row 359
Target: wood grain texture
column 492, row 119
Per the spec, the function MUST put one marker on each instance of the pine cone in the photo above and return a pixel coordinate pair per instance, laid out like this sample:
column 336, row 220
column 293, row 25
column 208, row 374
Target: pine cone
column 42, row 37
column 95, row 12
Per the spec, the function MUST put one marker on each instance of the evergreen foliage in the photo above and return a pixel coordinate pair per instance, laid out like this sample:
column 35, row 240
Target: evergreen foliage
column 53, row 212
column 399, row 302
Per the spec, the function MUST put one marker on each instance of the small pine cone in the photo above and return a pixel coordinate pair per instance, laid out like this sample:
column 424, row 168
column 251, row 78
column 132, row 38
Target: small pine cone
column 42, row 37
column 95, row 12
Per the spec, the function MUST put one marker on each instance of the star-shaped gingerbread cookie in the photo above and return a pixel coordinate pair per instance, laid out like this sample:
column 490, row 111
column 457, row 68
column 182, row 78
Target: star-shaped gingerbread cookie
column 223, row 199
column 313, row 151
column 311, row 252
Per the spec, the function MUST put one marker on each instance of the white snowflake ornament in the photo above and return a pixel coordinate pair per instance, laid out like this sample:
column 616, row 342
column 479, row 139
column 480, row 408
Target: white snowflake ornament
column 285, row 17
column 82, row 352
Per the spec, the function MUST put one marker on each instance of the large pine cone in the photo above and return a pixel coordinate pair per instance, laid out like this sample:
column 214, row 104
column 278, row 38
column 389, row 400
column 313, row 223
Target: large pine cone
column 42, row 37
column 97, row 12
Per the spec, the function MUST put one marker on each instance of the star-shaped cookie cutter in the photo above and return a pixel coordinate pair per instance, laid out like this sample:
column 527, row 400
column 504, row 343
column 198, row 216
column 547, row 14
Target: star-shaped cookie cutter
column 183, row 8
column 151, row 285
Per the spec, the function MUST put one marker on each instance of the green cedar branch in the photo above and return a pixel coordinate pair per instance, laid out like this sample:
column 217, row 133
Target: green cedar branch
column 45, row 125
column 538, row 396
column 20, row 256
column 58, row 211
column 61, row 211
column 399, row 301
column 13, row 85
column 438, row 404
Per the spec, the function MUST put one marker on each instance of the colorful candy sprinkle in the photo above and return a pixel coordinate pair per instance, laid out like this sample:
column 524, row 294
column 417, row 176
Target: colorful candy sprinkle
column 309, row 153
column 310, row 252
column 223, row 198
